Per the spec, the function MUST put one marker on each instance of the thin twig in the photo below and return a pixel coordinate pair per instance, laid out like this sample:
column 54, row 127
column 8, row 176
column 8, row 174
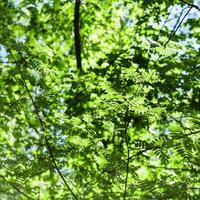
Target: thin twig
column 174, row 169
column 158, row 147
column 143, row 150
column 140, row 153
column 36, row 110
column 176, row 17
column 190, row 4
column 177, row 27
column 128, row 151
column 16, row 188
column 5, row 62
column 166, row 20
column 193, row 133
column 77, row 34
column 193, row 188
column 178, row 20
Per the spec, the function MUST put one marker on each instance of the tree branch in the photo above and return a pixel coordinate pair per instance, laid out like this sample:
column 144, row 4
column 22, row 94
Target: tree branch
column 36, row 110
column 190, row 4
column 174, row 169
column 178, row 20
column 77, row 34
column 16, row 188
column 173, row 33
column 169, row 13
column 128, row 151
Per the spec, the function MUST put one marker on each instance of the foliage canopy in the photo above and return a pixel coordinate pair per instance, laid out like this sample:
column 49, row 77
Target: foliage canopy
column 99, row 100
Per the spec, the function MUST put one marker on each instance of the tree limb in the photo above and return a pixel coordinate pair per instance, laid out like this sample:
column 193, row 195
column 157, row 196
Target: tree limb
column 77, row 34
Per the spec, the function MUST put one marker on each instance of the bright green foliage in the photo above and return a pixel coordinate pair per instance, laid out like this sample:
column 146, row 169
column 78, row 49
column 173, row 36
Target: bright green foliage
column 127, row 127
